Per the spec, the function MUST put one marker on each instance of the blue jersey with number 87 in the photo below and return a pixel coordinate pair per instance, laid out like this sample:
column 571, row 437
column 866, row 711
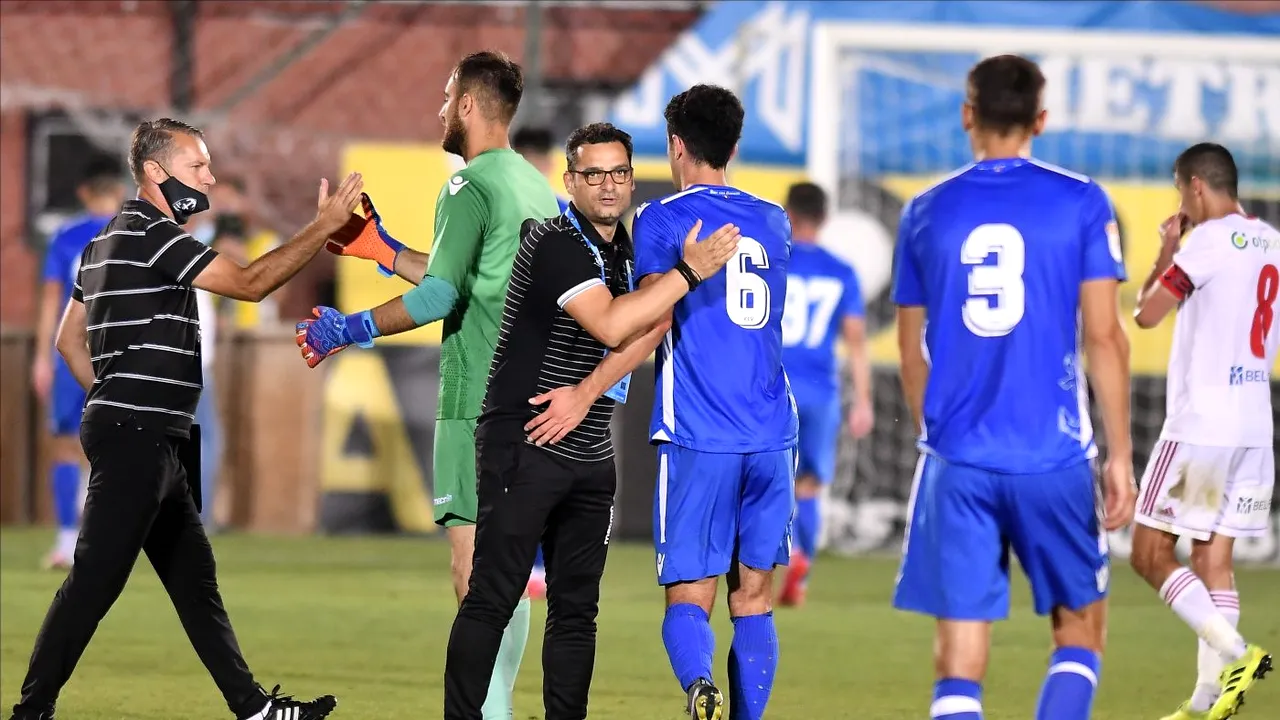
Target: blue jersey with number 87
column 720, row 386
column 996, row 255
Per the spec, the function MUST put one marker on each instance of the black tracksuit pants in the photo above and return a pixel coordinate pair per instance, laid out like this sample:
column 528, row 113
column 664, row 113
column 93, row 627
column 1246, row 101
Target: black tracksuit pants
column 525, row 495
column 138, row 501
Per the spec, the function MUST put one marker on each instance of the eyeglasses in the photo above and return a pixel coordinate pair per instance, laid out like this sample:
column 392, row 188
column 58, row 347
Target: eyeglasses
column 594, row 176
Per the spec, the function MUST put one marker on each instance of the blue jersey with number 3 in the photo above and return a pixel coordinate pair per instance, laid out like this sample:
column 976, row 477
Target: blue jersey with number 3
column 996, row 255
column 721, row 387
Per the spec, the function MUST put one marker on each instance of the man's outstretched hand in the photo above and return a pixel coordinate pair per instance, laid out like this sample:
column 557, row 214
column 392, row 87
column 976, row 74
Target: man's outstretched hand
column 333, row 210
column 364, row 237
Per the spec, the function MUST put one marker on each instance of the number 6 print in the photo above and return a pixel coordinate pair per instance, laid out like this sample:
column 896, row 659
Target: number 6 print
column 746, row 293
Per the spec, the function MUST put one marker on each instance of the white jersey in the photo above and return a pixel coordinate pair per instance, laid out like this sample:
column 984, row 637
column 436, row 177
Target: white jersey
column 1225, row 335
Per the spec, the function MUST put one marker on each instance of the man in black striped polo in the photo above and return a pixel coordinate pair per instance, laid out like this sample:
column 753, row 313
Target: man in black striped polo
column 544, row 451
column 131, row 336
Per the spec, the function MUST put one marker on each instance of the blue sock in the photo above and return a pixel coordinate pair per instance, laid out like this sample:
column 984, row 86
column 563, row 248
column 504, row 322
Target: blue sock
column 690, row 643
column 807, row 525
column 1067, row 693
column 537, row 559
column 753, row 661
column 66, row 494
column 956, row 699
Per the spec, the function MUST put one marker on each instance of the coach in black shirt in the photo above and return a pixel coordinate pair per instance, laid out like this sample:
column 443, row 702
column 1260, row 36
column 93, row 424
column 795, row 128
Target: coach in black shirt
column 131, row 336
column 568, row 300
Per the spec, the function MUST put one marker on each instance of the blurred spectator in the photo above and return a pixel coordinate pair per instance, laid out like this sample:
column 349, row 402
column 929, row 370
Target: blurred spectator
column 535, row 145
column 100, row 193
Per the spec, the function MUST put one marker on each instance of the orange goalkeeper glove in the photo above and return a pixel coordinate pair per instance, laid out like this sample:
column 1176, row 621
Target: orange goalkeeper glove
column 364, row 237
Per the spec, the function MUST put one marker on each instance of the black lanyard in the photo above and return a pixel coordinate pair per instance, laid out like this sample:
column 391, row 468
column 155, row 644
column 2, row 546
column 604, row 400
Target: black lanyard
column 595, row 252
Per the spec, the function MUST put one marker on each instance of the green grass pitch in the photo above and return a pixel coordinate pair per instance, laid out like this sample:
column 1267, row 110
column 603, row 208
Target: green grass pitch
column 367, row 619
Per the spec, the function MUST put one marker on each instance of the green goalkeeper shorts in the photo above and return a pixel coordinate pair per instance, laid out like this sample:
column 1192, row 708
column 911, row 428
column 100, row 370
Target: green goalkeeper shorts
column 453, row 473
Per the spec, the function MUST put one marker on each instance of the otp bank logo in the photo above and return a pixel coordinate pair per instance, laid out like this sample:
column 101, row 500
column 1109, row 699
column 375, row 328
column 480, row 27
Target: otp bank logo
column 1239, row 240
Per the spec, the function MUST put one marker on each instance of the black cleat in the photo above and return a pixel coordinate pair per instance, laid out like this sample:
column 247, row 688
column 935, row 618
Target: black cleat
column 706, row 702
column 284, row 707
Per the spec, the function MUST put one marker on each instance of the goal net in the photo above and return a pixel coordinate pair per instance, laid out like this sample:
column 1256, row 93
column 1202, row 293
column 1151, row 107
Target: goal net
column 885, row 124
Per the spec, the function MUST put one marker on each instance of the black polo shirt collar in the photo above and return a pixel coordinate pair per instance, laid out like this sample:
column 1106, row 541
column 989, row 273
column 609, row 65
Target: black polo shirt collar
column 139, row 205
column 621, row 239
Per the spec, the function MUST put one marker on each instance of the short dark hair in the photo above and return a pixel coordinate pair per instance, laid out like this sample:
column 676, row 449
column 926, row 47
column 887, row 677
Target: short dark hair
column 1213, row 164
column 494, row 80
column 708, row 118
column 1004, row 92
column 807, row 200
column 101, row 176
column 534, row 139
column 595, row 134
column 153, row 140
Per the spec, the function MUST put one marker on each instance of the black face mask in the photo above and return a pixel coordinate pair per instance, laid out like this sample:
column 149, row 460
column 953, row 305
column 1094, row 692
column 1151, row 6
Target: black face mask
column 184, row 201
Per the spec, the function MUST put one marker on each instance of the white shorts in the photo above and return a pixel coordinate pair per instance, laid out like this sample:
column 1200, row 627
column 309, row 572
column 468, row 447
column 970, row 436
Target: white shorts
column 1198, row 490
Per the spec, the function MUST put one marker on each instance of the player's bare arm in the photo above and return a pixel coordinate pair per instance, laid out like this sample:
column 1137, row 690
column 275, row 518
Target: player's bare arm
column 46, row 326
column 1155, row 300
column 612, row 320
column 567, row 406
column 329, row 331
column 73, row 343
column 1107, row 348
column 392, row 317
column 854, row 330
column 913, row 368
column 266, row 274
column 411, row 265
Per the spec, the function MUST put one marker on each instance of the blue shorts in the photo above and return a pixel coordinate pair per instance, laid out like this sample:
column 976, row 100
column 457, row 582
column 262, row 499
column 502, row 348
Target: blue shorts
column 712, row 508
column 819, row 438
column 955, row 563
column 67, row 404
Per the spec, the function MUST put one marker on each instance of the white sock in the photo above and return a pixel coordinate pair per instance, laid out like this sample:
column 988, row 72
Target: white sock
column 1209, row 664
column 67, row 541
column 1190, row 599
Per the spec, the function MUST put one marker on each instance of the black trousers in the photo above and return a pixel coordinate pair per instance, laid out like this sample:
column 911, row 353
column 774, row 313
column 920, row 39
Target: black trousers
column 138, row 500
column 526, row 495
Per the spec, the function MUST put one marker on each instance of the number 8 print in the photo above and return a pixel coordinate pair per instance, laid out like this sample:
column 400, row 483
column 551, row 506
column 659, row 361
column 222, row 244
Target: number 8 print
column 1264, row 316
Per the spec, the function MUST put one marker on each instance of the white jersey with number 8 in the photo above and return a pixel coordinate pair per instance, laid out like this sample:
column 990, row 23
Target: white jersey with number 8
column 1225, row 335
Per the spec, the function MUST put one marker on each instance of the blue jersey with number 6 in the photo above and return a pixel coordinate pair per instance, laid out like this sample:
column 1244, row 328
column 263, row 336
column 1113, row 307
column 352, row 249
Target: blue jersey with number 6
column 721, row 387
column 996, row 255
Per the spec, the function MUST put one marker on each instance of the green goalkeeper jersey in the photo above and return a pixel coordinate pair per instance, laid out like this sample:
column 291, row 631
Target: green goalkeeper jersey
column 477, row 233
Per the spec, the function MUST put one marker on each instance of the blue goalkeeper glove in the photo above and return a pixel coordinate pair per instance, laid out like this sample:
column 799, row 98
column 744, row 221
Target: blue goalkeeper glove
column 330, row 332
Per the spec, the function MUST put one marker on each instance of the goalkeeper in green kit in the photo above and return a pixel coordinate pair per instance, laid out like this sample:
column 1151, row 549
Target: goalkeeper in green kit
column 463, row 282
